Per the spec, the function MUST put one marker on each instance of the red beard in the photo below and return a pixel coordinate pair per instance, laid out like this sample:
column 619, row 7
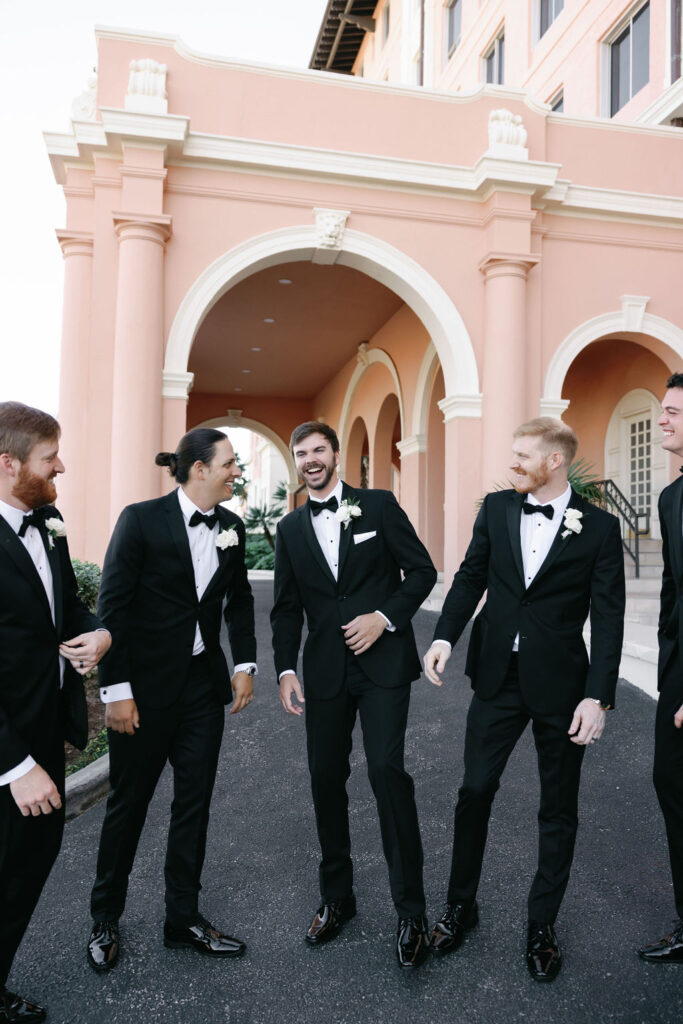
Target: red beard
column 33, row 490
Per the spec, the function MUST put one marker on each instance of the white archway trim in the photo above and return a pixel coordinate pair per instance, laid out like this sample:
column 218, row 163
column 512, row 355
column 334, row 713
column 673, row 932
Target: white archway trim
column 429, row 368
column 233, row 418
column 372, row 256
column 630, row 318
column 369, row 357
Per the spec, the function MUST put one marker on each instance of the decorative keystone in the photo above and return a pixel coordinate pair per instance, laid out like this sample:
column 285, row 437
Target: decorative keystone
column 147, row 87
column 507, row 136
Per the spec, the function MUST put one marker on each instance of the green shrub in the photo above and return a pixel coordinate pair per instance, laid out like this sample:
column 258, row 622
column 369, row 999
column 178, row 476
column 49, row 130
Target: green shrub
column 88, row 576
column 258, row 553
column 96, row 747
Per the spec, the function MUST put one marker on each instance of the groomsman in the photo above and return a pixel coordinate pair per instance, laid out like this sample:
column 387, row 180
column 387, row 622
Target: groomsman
column 546, row 559
column 339, row 559
column 42, row 702
column 668, row 761
column 170, row 565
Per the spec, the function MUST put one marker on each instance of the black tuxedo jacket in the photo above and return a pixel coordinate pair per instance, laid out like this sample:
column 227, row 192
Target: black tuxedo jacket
column 30, row 697
column 670, row 630
column 582, row 573
column 148, row 601
column 369, row 579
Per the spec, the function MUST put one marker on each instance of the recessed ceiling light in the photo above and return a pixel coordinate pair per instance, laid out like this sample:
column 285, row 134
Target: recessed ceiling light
column 284, row 280
column 237, row 389
column 268, row 320
column 246, row 371
column 256, row 348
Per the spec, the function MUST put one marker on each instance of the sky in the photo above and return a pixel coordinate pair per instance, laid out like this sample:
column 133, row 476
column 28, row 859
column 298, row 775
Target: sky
column 47, row 52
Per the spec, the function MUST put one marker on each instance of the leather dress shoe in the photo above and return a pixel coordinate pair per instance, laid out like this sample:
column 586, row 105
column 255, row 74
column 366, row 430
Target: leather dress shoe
column 543, row 957
column 15, row 1008
column 329, row 920
column 668, row 950
column 203, row 937
column 104, row 945
column 449, row 930
column 412, row 941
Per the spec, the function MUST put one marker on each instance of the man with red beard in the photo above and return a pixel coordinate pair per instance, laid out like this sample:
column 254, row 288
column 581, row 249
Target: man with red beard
column 47, row 638
column 546, row 560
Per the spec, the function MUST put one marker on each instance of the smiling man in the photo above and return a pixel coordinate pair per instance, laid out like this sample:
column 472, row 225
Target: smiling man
column 170, row 565
column 546, row 559
column 668, row 761
column 339, row 559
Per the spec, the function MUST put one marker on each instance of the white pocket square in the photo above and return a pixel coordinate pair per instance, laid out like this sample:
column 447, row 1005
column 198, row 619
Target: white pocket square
column 358, row 538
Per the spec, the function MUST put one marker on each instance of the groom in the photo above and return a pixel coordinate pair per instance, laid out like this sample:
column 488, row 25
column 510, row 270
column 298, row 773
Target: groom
column 546, row 559
column 339, row 559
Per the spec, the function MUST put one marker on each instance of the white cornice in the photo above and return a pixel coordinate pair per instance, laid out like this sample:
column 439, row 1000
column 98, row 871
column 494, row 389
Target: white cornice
column 176, row 384
column 461, row 407
column 666, row 106
column 570, row 200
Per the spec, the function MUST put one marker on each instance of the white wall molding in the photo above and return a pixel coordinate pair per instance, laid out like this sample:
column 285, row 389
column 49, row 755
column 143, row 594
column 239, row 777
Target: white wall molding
column 414, row 445
column 464, row 407
column 176, row 384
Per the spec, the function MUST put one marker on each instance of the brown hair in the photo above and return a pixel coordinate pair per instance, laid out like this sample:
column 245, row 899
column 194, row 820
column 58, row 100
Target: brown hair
column 22, row 428
column 556, row 436
column 675, row 381
column 197, row 445
column 305, row 430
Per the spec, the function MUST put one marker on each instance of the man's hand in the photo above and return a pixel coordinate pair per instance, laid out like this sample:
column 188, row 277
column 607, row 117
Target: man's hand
column 86, row 650
column 678, row 717
column 122, row 716
column 35, row 793
column 291, row 687
column 243, row 687
column 360, row 633
column 435, row 662
column 587, row 723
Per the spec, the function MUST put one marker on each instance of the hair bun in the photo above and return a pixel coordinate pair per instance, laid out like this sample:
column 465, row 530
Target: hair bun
column 167, row 459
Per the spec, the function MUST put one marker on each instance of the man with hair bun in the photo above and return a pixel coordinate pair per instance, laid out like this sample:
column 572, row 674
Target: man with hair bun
column 546, row 560
column 48, row 639
column 171, row 564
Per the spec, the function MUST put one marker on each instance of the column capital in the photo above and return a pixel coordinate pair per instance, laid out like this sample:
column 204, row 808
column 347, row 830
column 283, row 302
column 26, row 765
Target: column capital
column 461, row 407
column 554, row 407
column 75, row 243
column 176, row 384
column 507, row 264
column 148, row 227
column 412, row 445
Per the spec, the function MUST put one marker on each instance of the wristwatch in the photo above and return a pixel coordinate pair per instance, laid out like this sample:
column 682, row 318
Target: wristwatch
column 251, row 671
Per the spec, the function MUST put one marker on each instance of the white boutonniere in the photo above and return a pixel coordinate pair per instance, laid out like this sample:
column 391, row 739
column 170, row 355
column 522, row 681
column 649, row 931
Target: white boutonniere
column 227, row 539
column 572, row 522
column 348, row 510
column 55, row 528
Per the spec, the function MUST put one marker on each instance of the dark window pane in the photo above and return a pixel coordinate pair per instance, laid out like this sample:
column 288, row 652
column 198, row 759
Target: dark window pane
column 621, row 83
column 558, row 105
column 501, row 60
column 489, row 66
column 641, row 49
column 545, row 15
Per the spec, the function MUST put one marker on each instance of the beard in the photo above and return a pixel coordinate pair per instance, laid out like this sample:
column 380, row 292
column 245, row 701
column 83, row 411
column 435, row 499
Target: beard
column 532, row 482
column 33, row 490
column 324, row 480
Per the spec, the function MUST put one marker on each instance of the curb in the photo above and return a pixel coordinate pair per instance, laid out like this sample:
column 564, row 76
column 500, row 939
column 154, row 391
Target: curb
column 86, row 786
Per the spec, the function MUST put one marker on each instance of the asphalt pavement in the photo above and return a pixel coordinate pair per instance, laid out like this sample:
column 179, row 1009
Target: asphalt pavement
column 260, row 883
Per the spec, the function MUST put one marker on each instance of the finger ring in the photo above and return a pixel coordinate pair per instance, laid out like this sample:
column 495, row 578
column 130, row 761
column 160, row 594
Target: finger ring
column 80, row 664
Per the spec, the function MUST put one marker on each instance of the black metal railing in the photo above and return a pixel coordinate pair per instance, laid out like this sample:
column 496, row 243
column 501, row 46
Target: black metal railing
column 633, row 524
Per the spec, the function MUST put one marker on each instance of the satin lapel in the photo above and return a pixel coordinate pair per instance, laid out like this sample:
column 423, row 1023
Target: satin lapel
column 304, row 514
column 514, row 512
column 560, row 542
column 346, row 532
column 676, row 529
column 223, row 553
column 17, row 552
column 176, row 525
column 56, row 568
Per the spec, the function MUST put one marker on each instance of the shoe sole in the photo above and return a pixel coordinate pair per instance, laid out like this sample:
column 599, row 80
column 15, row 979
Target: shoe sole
column 103, row 968
column 229, row 954
column 456, row 945
column 329, row 936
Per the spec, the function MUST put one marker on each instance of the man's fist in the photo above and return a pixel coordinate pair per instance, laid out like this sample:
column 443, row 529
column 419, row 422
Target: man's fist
column 35, row 793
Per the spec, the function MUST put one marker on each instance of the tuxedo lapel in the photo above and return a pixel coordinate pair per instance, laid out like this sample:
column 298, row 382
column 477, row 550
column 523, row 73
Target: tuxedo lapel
column 514, row 511
column 304, row 514
column 56, row 568
column 559, row 542
column 176, row 525
column 17, row 552
column 675, row 529
column 223, row 553
column 346, row 531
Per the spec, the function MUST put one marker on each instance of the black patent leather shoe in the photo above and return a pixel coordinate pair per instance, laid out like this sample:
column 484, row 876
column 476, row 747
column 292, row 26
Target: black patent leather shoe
column 104, row 945
column 329, row 920
column 543, row 957
column 203, row 937
column 449, row 930
column 15, row 1008
column 412, row 941
column 668, row 950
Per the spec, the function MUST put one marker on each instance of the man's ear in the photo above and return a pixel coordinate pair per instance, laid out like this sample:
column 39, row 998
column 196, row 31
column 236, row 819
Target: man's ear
column 8, row 465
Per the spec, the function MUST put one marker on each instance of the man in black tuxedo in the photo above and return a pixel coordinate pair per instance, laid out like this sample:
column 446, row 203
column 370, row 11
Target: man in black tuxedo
column 170, row 565
column 338, row 559
column 42, row 702
column 546, row 558
column 668, row 760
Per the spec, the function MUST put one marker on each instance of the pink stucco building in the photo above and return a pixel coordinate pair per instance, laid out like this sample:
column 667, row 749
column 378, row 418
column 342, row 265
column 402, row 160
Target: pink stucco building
column 421, row 266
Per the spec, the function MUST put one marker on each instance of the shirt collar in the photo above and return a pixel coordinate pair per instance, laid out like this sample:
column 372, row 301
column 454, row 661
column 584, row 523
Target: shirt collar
column 336, row 493
column 559, row 504
column 187, row 506
column 14, row 516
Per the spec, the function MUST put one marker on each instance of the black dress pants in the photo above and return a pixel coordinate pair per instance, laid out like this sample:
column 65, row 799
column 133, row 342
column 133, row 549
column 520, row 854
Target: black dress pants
column 668, row 770
column 493, row 729
column 329, row 725
column 188, row 734
column 28, row 847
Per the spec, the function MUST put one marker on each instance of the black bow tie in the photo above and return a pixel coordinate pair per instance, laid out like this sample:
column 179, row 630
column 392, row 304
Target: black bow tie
column 318, row 506
column 35, row 518
column 545, row 510
column 198, row 517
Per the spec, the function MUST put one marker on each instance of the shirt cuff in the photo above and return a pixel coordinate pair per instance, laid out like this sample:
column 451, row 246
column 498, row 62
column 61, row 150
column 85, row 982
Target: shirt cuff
column 16, row 773
column 390, row 626
column 244, row 666
column 287, row 672
column 448, row 644
column 119, row 691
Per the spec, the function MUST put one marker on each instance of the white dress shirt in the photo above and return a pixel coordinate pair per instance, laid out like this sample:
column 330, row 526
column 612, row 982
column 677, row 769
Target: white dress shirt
column 204, row 554
column 33, row 543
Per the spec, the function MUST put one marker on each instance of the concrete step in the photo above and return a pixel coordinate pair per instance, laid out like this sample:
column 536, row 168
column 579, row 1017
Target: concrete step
column 652, row 572
column 638, row 656
column 643, row 586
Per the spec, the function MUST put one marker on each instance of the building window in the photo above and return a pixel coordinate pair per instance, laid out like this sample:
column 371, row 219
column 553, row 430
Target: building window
column 557, row 103
column 494, row 62
column 630, row 59
column 386, row 22
column 548, row 11
column 453, row 25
